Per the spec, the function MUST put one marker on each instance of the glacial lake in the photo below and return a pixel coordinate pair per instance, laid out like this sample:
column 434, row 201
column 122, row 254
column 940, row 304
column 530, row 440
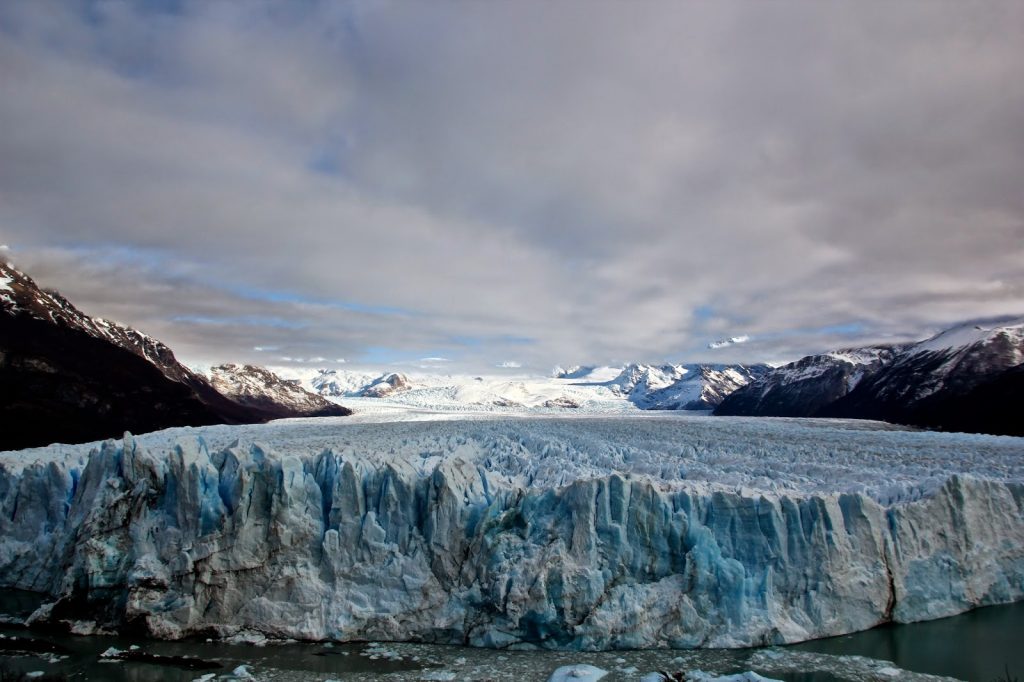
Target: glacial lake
column 975, row 646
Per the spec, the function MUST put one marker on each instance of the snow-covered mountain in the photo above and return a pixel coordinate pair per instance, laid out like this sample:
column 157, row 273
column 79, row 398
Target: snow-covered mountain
column 804, row 387
column 21, row 297
column 642, row 532
column 448, row 392
column 967, row 378
column 573, row 372
column 602, row 389
column 259, row 388
column 329, row 383
column 639, row 380
column 389, row 384
column 704, row 387
column 69, row 377
column 683, row 387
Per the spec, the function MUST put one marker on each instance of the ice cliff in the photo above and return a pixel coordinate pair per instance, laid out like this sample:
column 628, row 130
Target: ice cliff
column 585, row 533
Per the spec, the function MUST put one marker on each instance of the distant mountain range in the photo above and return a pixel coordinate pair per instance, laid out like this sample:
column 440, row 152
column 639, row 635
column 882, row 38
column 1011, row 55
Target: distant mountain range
column 682, row 387
column 68, row 377
column 967, row 378
column 649, row 387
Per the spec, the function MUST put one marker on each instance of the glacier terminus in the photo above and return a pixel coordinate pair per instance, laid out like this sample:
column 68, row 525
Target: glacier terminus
column 582, row 532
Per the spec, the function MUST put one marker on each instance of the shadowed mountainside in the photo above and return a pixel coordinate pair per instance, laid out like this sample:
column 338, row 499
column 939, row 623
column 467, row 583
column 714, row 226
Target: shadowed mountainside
column 68, row 377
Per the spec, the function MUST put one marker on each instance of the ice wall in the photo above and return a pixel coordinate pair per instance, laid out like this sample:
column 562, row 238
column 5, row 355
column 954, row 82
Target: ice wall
column 351, row 546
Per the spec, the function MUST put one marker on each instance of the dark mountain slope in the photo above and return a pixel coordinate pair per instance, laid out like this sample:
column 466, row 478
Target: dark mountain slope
column 967, row 378
column 260, row 389
column 805, row 387
column 67, row 377
column 62, row 385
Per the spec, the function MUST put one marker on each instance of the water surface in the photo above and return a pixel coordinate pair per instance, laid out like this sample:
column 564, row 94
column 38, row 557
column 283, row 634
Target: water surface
column 977, row 645
column 974, row 646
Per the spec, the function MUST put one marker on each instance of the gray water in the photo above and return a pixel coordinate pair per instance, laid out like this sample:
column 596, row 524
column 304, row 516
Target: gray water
column 975, row 646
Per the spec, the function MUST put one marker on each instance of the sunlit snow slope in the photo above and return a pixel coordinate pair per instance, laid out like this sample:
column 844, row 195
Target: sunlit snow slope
column 593, row 532
column 586, row 389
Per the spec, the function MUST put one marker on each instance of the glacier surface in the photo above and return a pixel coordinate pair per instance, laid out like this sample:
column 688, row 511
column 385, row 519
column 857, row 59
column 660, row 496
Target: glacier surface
column 573, row 533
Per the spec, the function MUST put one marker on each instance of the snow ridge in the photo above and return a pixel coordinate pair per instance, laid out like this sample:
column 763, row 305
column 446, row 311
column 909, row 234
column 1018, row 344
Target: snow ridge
column 971, row 333
column 259, row 387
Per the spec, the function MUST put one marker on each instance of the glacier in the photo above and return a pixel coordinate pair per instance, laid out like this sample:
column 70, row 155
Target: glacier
column 583, row 533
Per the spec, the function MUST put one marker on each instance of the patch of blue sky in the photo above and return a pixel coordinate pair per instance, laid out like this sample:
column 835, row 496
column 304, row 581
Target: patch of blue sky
column 711, row 312
column 328, row 158
column 386, row 355
column 159, row 260
column 324, row 162
column 240, row 320
column 843, row 329
column 512, row 340
column 703, row 313
column 500, row 339
column 468, row 341
column 140, row 62
column 114, row 254
column 258, row 294
column 94, row 12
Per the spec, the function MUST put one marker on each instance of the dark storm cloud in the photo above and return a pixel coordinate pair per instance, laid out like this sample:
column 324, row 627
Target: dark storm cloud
column 611, row 181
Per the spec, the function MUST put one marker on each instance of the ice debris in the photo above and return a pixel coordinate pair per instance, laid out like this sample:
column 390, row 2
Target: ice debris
column 852, row 668
column 701, row 676
column 577, row 673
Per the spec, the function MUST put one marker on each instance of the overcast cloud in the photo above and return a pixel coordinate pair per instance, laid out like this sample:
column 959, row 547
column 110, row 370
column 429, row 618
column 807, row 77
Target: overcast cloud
column 515, row 183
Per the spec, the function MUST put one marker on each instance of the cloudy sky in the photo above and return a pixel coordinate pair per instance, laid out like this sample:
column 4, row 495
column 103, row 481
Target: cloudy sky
column 516, row 183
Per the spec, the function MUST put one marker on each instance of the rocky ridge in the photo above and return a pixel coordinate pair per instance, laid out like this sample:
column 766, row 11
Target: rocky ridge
column 69, row 377
column 967, row 378
column 259, row 388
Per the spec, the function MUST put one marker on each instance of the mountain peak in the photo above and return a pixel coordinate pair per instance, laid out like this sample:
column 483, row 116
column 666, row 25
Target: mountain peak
column 965, row 378
column 72, row 378
column 970, row 333
column 259, row 388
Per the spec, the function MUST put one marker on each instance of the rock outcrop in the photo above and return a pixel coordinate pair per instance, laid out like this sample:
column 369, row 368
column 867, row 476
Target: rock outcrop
column 386, row 385
column 561, row 402
column 260, row 389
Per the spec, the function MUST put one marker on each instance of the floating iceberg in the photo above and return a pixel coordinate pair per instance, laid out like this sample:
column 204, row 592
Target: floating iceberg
column 577, row 673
